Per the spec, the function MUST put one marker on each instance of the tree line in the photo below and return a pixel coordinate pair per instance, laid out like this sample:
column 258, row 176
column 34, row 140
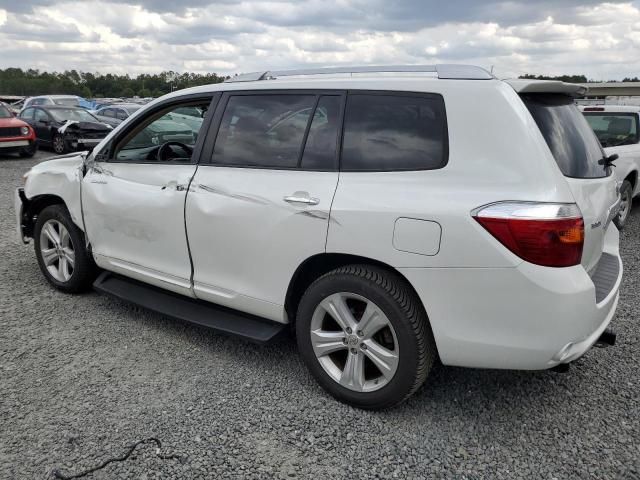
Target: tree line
column 574, row 78
column 15, row 81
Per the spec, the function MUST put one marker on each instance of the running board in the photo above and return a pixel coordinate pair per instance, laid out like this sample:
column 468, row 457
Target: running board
column 187, row 309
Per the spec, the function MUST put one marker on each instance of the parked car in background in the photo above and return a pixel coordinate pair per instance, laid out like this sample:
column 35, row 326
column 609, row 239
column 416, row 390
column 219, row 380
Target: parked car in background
column 50, row 100
column 618, row 130
column 15, row 134
column 116, row 113
column 391, row 219
column 65, row 129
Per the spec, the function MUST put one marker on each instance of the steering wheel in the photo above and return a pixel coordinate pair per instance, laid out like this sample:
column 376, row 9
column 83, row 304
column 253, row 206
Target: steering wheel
column 164, row 152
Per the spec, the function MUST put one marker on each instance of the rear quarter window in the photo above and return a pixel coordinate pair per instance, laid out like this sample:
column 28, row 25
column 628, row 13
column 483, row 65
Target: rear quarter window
column 387, row 132
column 571, row 140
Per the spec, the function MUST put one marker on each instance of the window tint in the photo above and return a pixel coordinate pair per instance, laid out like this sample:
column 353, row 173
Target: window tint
column 614, row 129
column 151, row 133
column 569, row 136
column 106, row 112
column 121, row 114
column 263, row 130
column 394, row 132
column 322, row 141
column 27, row 114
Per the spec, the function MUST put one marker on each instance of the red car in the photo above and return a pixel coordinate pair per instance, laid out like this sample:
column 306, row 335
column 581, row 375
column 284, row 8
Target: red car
column 16, row 135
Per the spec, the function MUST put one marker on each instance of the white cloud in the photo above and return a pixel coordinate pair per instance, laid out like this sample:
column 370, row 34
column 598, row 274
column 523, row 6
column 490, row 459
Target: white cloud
column 598, row 39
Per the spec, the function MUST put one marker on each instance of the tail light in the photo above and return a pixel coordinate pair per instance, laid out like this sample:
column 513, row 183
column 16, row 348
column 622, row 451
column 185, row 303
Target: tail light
column 548, row 234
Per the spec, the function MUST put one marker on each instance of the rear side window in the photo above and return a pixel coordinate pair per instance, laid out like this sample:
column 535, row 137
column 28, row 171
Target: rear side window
column 614, row 129
column 394, row 132
column 263, row 130
column 570, row 138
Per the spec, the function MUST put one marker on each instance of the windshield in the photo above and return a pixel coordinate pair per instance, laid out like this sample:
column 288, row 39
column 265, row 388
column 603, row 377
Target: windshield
column 67, row 101
column 4, row 112
column 614, row 129
column 75, row 114
column 132, row 108
column 570, row 138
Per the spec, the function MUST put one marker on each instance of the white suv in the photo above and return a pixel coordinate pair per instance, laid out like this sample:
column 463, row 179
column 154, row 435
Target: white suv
column 618, row 129
column 389, row 217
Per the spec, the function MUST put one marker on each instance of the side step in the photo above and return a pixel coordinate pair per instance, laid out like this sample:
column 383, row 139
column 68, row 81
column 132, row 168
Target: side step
column 187, row 309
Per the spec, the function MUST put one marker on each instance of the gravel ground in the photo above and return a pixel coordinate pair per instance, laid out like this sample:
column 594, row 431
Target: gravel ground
column 84, row 377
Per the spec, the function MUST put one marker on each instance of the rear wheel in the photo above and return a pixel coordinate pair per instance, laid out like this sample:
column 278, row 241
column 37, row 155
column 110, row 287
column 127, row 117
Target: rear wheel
column 61, row 251
column 365, row 337
column 626, row 196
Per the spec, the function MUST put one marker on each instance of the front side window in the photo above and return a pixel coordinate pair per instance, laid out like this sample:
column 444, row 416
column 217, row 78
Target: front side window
column 27, row 114
column 121, row 114
column 263, row 130
column 614, row 129
column 163, row 137
column 106, row 112
column 394, row 132
column 41, row 116
column 570, row 138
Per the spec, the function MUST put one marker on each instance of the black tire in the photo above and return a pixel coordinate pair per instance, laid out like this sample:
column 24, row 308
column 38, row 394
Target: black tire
column 84, row 268
column 59, row 144
column 626, row 192
column 398, row 302
column 30, row 151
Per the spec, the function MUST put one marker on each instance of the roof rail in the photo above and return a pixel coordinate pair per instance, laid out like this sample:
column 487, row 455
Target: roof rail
column 445, row 71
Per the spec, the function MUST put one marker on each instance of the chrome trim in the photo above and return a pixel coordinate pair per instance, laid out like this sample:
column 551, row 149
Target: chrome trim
column 528, row 210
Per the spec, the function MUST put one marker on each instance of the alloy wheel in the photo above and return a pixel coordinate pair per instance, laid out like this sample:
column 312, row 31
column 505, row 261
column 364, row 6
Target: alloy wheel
column 58, row 144
column 57, row 250
column 625, row 206
column 354, row 342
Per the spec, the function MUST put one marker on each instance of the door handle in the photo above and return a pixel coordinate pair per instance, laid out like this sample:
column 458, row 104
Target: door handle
column 300, row 197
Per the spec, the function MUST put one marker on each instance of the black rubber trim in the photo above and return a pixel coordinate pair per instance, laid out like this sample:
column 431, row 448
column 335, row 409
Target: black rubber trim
column 221, row 319
column 605, row 275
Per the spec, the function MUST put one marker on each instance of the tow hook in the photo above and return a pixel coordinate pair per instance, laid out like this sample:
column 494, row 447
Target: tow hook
column 606, row 339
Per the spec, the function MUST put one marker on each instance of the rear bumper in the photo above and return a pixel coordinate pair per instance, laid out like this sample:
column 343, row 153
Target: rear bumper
column 527, row 317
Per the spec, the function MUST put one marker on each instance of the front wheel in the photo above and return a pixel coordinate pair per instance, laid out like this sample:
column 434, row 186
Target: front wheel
column 365, row 337
column 61, row 251
column 626, row 200
column 30, row 151
column 59, row 144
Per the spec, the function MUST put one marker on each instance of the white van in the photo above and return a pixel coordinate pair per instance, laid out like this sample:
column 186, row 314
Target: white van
column 389, row 215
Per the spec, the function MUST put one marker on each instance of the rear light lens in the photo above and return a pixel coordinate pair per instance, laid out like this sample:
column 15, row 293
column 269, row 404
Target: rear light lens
column 547, row 234
column 593, row 109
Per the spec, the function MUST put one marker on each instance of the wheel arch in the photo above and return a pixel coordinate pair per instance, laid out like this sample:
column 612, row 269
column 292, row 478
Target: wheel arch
column 632, row 177
column 34, row 206
column 317, row 265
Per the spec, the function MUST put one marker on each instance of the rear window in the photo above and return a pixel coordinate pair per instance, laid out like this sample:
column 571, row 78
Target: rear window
column 394, row 132
column 614, row 129
column 570, row 138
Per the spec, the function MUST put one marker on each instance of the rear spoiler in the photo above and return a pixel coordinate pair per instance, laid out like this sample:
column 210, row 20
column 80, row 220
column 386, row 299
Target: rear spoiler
column 547, row 86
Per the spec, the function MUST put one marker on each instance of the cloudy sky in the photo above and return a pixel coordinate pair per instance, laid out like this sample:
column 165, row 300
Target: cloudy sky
column 600, row 40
